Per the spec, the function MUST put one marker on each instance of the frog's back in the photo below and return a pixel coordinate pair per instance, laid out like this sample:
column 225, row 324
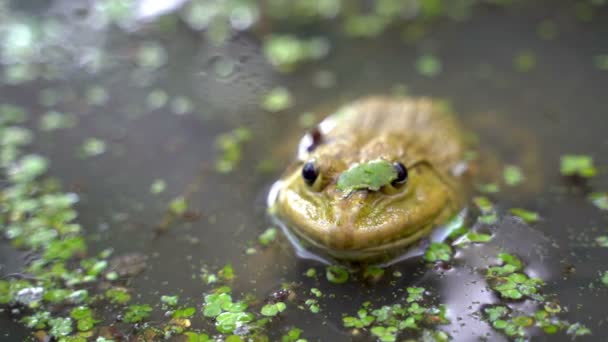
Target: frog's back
column 417, row 128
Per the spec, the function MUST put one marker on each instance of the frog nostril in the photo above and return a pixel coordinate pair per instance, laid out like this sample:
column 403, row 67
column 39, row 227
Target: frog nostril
column 401, row 173
column 316, row 138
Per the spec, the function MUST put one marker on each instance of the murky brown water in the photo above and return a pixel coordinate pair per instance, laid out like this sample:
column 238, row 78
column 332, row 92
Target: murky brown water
column 561, row 103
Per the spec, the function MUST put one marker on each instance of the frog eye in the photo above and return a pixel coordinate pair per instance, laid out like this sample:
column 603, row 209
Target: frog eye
column 401, row 174
column 309, row 173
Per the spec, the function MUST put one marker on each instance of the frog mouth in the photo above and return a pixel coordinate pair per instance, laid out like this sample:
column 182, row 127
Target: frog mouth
column 384, row 255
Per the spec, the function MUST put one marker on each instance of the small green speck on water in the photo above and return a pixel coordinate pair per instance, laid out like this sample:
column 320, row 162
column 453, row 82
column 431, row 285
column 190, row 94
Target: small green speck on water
column 526, row 215
column 577, row 165
column 293, row 335
column 228, row 322
column 157, row 99
column 547, row 30
column 273, row 309
column 490, row 188
column 60, row 326
column 484, row 204
column 525, row 61
column 428, row 65
column 268, row 236
column 196, row 337
column 311, row 273
column 601, row 62
column 415, row 294
column 92, row 147
column 475, row 237
column 438, row 251
column 151, row 55
column 313, row 305
column 178, row 206
column 578, row 329
column 605, row 278
column 496, row 312
column 599, row 199
column 602, row 241
column 277, row 99
column 11, row 114
column 230, row 147
column 118, row 296
column 97, row 96
column 227, row 273
column 181, row 105
column 53, row 120
column 336, row 274
column 158, row 186
column 458, row 232
column 307, row 120
column 137, row 313
column 373, row 272
column 513, row 175
column 169, row 300
column 385, row 334
column 488, row 219
column 267, row 165
column 365, row 26
column 84, row 318
column 285, row 51
column 183, row 313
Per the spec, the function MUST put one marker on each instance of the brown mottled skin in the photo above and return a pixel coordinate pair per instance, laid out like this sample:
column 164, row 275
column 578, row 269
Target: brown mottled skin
column 418, row 132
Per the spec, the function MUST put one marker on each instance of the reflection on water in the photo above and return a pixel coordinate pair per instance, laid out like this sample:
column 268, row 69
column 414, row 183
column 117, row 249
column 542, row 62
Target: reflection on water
column 204, row 89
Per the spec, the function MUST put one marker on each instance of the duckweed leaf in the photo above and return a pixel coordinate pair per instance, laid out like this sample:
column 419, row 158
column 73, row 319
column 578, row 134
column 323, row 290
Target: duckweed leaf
column 600, row 200
column 577, row 165
column 336, row 274
column 414, row 294
column 313, row 305
column 196, row 337
column 227, row 322
column 273, row 309
column 513, row 175
column 137, row 313
column 292, row 335
column 438, row 251
column 60, row 326
column 385, row 334
column 268, row 236
column 428, row 65
column 578, row 329
column 169, row 300
column 526, row 215
column 277, row 99
column 118, row 296
column 371, row 175
column 184, row 313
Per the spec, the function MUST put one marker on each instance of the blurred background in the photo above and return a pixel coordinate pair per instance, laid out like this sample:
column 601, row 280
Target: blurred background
column 169, row 120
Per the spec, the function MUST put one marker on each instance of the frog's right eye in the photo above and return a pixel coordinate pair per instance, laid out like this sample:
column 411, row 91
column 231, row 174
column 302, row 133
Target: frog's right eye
column 309, row 173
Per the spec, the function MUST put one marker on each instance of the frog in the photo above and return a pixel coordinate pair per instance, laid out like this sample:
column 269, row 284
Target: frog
column 419, row 136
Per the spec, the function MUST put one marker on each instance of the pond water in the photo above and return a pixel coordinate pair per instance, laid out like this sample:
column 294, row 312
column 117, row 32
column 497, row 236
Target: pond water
column 523, row 117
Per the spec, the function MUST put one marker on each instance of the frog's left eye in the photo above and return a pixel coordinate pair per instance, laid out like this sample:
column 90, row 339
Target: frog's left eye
column 310, row 173
column 401, row 174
